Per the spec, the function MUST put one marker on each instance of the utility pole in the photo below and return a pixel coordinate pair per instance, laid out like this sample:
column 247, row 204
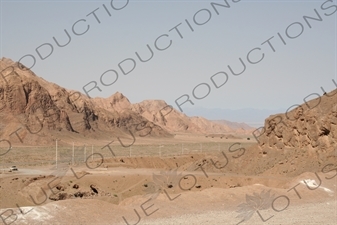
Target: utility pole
column 85, row 152
column 182, row 149
column 56, row 154
column 160, row 150
column 73, row 155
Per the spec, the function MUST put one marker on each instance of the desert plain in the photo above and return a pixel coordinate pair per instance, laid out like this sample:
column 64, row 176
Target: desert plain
column 107, row 161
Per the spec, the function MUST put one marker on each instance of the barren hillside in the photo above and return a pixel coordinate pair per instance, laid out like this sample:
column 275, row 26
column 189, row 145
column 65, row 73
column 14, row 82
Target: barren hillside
column 35, row 111
column 43, row 111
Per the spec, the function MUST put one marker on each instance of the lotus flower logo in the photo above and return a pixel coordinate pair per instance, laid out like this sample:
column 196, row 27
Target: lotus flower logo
column 162, row 181
column 253, row 204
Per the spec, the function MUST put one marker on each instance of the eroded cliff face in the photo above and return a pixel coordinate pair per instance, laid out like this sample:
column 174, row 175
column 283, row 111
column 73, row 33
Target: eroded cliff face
column 38, row 112
column 312, row 125
column 301, row 140
column 289, row 144
column 42, row 110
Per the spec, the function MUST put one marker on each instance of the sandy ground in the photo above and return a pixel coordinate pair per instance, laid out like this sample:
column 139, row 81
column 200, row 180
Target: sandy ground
column 203, row 200
column 169, row 190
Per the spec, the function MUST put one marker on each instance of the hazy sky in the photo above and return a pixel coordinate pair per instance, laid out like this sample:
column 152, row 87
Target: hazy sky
column 221, row 35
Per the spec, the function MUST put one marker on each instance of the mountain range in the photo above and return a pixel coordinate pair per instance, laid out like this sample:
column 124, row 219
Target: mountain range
column 253, row 117
column 35, row 111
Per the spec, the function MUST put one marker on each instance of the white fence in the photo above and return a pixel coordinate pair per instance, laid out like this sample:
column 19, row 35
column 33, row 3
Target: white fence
column 75, row 155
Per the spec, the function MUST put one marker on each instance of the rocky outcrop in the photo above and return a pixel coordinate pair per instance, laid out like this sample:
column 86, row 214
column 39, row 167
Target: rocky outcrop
column 312, row 125
column 301, row 140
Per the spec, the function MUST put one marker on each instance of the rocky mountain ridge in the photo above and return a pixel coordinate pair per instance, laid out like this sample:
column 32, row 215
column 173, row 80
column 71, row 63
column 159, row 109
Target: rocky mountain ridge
column 35, row 111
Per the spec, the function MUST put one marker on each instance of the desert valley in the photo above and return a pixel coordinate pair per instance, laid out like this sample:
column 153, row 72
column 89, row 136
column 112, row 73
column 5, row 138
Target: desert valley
column 84, row 160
